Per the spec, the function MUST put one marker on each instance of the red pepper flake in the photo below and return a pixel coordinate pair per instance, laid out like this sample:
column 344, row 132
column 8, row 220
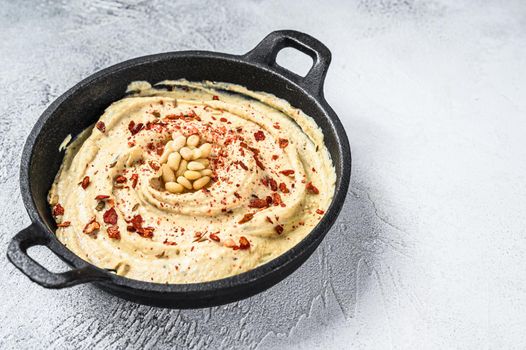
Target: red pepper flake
column 91, row 227
column 113, row 232
column 58, row 210
column 101, row 126
column 319, row 211
column 131, row 144
column 238, row 196
column 276, row 199
column 269, row 200
column 278, row 229
column 137, row 221
column 287, row 172
column 155, row 166
column 273, row 184
column 85, row 182
column 214, row 237
column 173, row 116
column 146, row 232
column 120, row 179
column 269, row 219
column 110, row 216
column 243, row 144
column 259, row 136
column 134, row 129
column 283, row 188
column 215, row 97
column 276, row 125
column 312, row 189
column 283, row 143
column 223, row 120
column 167, row 242
column 101, row 197
column 264, row 181
column 247, row 217
column 223, row 153
column 258, row 162
column 243, row 243
column 134, row 179
column 130, row 229
column 241, row 164
column 275, row 156
column 157, row 126
column 257, row 203
column 192, row 114
column 64, row 224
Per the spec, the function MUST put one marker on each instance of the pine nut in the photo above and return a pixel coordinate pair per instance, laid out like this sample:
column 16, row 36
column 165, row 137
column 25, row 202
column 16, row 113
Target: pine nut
column 169, row 145
column 203, row 161
column 135, row 155
column 174, row 187
column 206, row 172
column 184, row 181
column 200, row 183
column 193, row 140
column 168, row 174
column 195, row 166
column 205, row 148
column 166, row 152
column 192, row 175
column 186, row 153
column 174, row 159
column 182, row 168
column 178, row 143
column 196, row 154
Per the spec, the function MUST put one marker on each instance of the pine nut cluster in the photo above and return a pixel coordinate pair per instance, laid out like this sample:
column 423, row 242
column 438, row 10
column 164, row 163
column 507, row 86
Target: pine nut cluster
column 185, row 164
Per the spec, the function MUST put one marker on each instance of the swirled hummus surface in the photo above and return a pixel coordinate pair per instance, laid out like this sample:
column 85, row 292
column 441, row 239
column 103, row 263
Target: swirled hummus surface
column 131, row 197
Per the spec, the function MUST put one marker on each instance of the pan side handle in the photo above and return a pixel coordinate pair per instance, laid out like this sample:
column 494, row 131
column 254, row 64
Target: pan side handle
column 267, row 50
column 32, row 236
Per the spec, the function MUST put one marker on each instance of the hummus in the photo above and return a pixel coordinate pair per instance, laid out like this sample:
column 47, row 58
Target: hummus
column 189, row 182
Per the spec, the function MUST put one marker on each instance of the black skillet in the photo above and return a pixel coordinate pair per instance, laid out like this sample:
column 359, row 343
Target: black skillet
column 81, row 106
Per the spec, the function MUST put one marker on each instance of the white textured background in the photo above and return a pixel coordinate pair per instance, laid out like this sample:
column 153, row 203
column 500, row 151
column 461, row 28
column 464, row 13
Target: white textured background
column 429, row 251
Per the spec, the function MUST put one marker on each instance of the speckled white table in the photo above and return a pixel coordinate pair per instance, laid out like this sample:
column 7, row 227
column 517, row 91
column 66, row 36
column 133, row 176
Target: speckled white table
column 429, row 249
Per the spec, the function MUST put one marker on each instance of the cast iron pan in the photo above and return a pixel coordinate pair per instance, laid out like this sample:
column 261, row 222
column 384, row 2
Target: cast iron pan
column 82, row 105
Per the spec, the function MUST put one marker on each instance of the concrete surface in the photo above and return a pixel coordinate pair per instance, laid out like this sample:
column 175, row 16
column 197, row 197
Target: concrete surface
column 429, row 251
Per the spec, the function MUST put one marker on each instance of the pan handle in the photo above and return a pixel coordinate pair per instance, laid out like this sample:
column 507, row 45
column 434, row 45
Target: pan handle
column 17, row 254
column 267, row 50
